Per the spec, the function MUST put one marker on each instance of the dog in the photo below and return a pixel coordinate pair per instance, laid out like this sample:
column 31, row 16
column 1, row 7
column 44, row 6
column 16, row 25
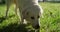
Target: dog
column 30, row 11
column 8, row 4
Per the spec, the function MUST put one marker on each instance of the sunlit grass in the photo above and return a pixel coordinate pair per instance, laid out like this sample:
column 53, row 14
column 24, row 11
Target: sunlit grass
column 51, row 17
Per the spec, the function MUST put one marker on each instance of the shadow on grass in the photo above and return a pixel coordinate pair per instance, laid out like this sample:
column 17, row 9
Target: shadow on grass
column 15, row 28
column 4, row 18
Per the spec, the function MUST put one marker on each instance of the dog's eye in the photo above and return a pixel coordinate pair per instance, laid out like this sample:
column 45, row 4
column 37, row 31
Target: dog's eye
column 32, row 17
column 38, row 16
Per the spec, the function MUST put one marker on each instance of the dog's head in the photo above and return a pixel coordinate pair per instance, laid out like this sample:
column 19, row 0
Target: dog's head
column 33, row 15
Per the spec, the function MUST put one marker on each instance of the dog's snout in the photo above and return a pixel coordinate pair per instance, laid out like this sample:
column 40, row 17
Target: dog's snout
column 37, row 27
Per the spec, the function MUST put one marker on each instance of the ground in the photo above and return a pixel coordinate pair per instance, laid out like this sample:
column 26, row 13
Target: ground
column 50, row 22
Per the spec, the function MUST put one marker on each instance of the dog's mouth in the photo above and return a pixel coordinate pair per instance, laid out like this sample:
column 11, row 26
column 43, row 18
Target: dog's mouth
column 36, row 27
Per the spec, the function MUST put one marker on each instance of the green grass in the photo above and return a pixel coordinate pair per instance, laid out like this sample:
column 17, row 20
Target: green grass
column 51, row 20
column 49, row 23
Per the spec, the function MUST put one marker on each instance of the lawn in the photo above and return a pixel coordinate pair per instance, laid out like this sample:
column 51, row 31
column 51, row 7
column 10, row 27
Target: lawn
column 49, row 23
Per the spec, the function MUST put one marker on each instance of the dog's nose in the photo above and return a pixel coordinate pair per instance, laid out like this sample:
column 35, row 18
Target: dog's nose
column 37, row 27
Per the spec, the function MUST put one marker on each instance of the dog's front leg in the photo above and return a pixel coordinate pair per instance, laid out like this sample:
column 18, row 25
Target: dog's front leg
column 22, row 19
column 16, row 7
column 21, row 16
column 8, row 6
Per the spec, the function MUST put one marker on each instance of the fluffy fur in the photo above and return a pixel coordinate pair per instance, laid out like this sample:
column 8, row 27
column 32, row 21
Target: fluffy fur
column 30, row 9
